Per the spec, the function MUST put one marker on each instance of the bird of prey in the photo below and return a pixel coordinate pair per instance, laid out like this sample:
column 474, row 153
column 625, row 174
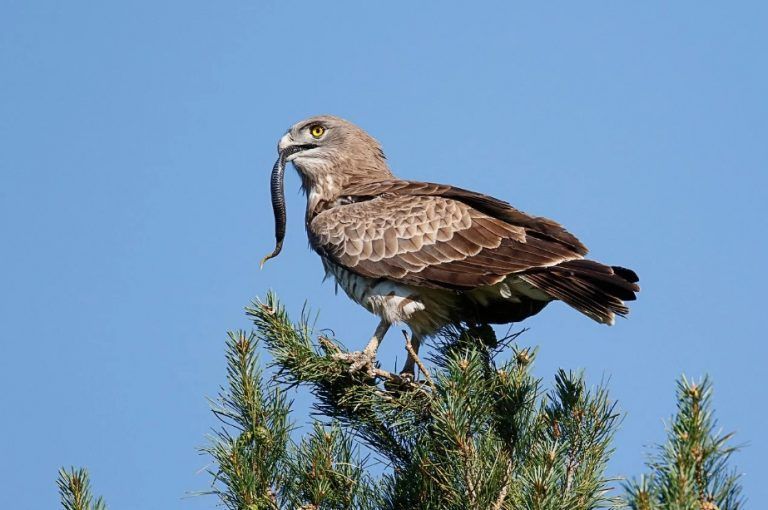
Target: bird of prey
column 429, row 255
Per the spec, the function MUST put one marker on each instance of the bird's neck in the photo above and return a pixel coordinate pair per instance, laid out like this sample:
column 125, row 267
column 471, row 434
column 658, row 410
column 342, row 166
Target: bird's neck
column 320, row 191
column 324, row 183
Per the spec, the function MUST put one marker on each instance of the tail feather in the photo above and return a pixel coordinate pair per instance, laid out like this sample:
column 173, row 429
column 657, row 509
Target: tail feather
column 594, row 289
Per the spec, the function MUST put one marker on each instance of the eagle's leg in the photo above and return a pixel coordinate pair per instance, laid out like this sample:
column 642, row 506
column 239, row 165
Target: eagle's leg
column 366, row 358
column 409, row 368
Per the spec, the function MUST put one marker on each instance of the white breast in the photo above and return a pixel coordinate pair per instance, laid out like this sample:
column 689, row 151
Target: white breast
column 391, row 301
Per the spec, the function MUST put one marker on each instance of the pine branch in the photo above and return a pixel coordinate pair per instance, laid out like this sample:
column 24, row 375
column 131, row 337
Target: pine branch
column 584, row 422
column 691, row 469
column 466, row 460
column 477, row 436
column 476, row 433
column 386, row 420
column 75, row 490
column 515, row 394
column 250, row 448
column 327, row 473
column 564, row 464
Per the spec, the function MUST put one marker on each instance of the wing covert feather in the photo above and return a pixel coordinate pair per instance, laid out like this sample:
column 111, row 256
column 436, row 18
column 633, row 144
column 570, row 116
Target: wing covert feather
column 429, row 240
column 536, row 226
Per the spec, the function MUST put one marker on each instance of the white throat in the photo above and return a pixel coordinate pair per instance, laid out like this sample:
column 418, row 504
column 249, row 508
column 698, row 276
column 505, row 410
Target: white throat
column 318, row 179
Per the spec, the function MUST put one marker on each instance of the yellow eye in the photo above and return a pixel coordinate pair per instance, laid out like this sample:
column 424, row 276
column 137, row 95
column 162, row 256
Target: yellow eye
column 317, row 131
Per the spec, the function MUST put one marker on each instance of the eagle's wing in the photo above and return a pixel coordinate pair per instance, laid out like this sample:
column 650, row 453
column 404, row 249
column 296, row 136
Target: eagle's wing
column 534, row 225
column 427, row 235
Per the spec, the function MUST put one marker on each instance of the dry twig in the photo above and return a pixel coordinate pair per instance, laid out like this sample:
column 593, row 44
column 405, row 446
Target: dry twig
column 412, row 353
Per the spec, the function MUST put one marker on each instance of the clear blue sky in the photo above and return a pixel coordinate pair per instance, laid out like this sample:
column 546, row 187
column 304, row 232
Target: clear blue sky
column 136, row 140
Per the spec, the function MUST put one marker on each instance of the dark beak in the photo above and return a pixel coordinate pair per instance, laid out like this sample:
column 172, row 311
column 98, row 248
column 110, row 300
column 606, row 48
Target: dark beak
column 278, row 196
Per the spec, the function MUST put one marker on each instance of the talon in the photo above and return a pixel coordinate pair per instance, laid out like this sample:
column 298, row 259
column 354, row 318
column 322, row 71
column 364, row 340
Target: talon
column 409, row 370
column 408, row 377
column 359, row 361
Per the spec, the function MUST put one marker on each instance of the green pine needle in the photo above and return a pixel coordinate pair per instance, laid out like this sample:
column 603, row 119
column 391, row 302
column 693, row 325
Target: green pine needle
column 75, row 490
column 478, row 433
column 691, row 470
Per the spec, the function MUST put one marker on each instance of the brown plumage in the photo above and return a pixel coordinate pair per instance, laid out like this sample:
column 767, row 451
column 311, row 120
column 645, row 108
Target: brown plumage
column 432, row 254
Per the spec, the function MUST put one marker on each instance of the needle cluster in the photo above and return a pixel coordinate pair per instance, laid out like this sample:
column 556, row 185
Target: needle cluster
column 474, row 430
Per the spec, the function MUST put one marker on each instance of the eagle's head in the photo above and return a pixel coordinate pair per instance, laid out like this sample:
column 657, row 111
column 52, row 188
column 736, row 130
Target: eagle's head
column 330, row 153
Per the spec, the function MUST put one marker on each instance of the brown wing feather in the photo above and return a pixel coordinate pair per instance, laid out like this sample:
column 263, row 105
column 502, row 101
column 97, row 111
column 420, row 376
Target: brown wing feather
column 432, row 240
column 535, row 226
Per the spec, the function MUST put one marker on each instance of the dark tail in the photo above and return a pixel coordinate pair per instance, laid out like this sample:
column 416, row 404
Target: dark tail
column 596, row 290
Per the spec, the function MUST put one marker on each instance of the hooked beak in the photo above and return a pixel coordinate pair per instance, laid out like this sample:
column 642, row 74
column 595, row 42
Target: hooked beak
column 287, row 148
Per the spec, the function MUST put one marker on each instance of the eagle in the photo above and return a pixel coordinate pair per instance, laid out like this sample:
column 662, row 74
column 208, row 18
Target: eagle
column 431, row 255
